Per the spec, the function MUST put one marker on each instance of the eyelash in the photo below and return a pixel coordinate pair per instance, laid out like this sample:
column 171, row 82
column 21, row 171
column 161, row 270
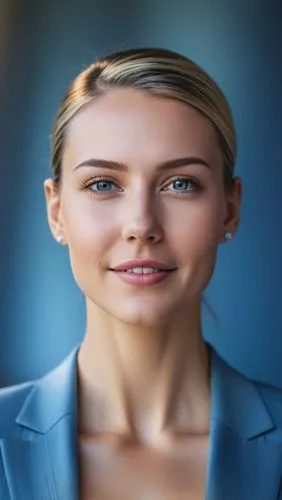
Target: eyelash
column 197, row 186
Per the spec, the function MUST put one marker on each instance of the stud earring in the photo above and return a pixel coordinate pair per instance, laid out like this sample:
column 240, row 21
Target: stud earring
column 227, row 236
column 59, row 238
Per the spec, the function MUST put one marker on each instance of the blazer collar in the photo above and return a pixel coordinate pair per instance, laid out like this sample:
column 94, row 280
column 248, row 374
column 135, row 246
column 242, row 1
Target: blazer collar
column 52, row 398
column 236, row 401
column 40, row 456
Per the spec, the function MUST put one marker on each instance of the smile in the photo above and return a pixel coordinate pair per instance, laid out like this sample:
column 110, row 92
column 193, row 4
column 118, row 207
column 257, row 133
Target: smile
column 142, row 270
column 143, row 276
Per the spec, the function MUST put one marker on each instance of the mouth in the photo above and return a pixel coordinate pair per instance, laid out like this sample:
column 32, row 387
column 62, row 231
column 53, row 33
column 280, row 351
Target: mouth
column 143, row 272
column 143, row 266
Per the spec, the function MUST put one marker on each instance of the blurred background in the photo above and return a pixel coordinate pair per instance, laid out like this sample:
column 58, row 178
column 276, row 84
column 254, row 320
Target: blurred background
column 44, row 45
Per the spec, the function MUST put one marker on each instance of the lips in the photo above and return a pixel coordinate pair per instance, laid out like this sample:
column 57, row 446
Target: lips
column 143, row 272
column 142, row 266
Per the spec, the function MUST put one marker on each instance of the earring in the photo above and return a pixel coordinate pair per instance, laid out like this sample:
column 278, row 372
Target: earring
column 59, row 238
column 227, row 236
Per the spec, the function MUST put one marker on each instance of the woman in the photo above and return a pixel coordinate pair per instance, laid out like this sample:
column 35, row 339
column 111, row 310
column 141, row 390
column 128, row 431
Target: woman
column 142, row 193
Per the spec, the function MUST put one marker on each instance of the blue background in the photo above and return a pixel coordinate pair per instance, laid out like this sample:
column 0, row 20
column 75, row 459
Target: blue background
column 45, row 45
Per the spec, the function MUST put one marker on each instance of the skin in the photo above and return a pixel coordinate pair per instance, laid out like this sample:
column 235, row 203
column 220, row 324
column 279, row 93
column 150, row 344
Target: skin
column 143, row 367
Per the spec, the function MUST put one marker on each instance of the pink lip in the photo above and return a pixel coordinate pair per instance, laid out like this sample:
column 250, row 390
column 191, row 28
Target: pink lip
column 143, row 279
column 130, row 264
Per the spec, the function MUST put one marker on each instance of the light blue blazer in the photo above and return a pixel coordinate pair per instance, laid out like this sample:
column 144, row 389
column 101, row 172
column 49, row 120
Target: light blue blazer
column 38, row 458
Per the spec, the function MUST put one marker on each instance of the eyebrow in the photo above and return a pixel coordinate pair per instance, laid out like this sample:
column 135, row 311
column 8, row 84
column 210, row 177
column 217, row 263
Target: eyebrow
column 167, row 165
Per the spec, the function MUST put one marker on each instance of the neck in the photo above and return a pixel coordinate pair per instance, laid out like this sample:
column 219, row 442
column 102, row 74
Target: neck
column 143, row 381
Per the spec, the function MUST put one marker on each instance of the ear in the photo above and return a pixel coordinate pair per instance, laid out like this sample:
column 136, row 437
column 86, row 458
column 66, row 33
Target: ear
column 233, row 206
column 54, row 212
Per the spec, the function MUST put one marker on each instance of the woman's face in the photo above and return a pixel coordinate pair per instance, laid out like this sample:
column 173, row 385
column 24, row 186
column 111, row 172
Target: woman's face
column 142, row 178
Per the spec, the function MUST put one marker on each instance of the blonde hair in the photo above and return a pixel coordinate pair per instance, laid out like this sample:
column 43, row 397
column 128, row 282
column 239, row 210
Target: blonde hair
column 160, row 72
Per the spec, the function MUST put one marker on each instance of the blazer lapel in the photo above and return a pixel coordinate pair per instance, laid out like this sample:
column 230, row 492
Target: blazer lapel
column 243, row 464
column 40, row 461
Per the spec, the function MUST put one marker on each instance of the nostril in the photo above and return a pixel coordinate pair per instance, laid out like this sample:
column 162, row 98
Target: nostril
column 142, row 235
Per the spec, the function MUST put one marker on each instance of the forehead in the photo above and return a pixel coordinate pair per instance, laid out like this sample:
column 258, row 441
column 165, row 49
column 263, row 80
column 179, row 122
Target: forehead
column 130, row 125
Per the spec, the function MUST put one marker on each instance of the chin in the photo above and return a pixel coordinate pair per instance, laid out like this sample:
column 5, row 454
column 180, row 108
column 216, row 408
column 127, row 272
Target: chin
column 142, row 321
column 144, row 315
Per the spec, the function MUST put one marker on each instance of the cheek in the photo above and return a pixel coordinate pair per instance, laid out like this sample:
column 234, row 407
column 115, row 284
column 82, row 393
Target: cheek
column 90, row 232
column 194, row 239
column 195, row 228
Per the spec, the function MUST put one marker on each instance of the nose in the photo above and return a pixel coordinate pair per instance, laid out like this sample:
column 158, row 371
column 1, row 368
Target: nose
column 142, row 224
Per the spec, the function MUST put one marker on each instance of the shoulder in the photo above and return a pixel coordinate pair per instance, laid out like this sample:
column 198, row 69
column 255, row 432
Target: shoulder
column 272, row 398
column 40, row 403
column 238, row 383
column 11, row 401
column 249, row 407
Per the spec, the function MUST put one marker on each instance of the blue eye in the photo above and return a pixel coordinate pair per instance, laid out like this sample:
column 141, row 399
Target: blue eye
column 181, row 184
column 102, row 186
